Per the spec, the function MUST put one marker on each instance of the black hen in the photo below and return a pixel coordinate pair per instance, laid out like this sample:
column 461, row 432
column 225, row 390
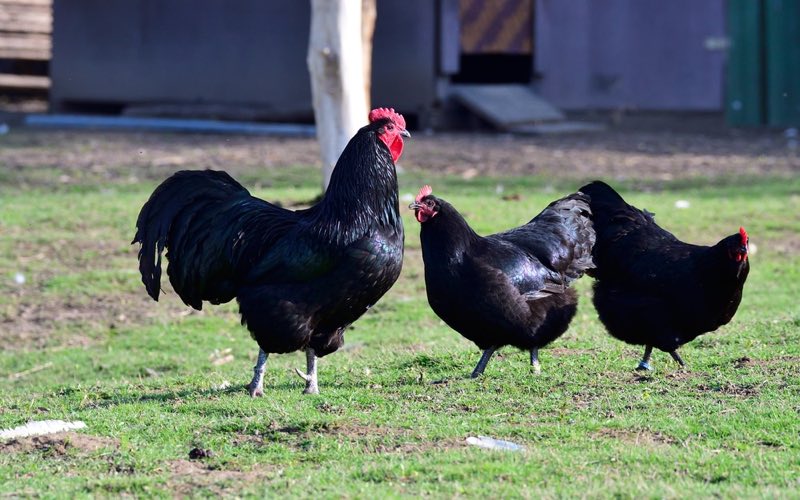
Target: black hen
column 653, row 289
column 510, row 288
column 300, row 277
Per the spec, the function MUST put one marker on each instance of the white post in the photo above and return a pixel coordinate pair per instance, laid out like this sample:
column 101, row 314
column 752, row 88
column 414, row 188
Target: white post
column 369, row 12
column 336, row 63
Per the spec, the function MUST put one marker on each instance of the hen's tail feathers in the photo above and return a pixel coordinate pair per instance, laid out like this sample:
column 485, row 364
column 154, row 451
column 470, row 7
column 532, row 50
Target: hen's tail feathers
column 580, row 234
column 181, row 196
column 610, row 211
column 601, row 193
column 561, row 237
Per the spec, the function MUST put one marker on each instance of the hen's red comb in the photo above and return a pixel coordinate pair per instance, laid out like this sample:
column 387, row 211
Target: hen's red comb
column 743, row 234
column 378, row 113
column 423, row 192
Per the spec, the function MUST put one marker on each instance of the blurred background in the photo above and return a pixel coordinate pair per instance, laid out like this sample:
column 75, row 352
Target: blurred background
column 511, row 65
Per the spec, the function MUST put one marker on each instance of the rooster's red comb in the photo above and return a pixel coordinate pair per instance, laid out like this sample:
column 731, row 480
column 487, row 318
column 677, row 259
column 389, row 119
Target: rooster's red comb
column 378, row 113
column 423, row 192
column 743, row 234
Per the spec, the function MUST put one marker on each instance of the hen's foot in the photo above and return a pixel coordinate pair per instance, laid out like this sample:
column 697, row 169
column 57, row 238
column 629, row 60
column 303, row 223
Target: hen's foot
column 487, row 354
column 535, row 360
column 677, row 358
column 644, row 364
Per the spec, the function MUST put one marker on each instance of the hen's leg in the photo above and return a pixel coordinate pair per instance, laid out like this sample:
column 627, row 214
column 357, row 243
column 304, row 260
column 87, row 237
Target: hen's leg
column 677, row 358
column 535, row 360
column 311, row 372
column 644, row 364
column 256, row 386
column 487, row 354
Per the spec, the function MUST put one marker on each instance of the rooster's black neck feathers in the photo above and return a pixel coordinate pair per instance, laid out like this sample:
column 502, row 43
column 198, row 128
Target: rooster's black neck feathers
column 362, row 192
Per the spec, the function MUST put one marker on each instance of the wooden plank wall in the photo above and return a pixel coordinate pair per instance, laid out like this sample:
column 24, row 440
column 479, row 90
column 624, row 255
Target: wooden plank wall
column 25, row 29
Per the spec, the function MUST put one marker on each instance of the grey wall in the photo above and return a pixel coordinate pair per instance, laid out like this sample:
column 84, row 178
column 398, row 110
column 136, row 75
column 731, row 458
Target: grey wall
column 404, row 55
column 230, row 52
column 181, row 51
column 645, row 54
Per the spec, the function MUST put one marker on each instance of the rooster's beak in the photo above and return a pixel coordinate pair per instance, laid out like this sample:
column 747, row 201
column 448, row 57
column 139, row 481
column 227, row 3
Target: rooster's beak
column 404, row 133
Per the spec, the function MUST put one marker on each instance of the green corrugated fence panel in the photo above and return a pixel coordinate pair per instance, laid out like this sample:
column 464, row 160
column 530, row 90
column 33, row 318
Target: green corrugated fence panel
column 745, row 83
column 782, row 35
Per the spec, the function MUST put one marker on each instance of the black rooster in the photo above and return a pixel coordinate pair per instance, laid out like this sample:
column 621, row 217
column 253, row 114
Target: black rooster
column 300, row 277
column 510, row 288
column 653, row 289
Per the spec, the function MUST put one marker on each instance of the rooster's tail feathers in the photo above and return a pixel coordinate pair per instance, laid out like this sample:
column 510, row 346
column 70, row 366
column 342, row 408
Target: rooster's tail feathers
column 177, row 197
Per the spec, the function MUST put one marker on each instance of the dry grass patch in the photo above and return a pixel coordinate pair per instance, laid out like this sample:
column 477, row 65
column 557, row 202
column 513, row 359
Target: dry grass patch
column 641, row 437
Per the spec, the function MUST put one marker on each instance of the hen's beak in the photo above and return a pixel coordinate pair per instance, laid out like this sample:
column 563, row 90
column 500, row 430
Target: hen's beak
column 414, row 206
column 404, row 133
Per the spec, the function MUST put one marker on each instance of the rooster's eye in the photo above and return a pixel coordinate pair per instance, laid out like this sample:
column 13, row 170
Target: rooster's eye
column 389, row 126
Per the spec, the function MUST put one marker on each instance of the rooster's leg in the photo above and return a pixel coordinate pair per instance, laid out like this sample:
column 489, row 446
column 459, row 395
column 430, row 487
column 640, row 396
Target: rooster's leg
column 644, row 364
column 677, row 358
column 487, row 354
column 256, row 386
column 311, row 372
column 535, row 360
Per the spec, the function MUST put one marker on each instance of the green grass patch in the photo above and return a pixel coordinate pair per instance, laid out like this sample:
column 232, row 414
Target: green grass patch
column 82, row 342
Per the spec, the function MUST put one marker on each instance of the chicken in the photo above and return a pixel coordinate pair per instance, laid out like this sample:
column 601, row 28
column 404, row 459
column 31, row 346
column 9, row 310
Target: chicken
column 651, row 288
column 510, row 288
column 300, row 277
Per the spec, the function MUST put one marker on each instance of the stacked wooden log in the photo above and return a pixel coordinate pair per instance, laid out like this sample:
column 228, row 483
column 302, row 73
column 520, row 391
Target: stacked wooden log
column 25, row 39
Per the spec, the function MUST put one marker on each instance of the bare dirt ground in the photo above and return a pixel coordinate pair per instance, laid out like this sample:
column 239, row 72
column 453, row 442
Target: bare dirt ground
column 657, row 149
column 58, row 444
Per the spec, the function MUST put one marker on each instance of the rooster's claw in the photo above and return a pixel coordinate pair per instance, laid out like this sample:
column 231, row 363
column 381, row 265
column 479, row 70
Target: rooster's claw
column 302, row 375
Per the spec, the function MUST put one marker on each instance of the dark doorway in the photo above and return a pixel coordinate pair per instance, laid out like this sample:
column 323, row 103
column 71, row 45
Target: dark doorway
column 496, row 41
column 494, row 68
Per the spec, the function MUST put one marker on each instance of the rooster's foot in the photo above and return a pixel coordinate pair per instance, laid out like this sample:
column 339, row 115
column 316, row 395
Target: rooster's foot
column 311, row 377
column 255, row 391
column 256, row 386
column 644, row 366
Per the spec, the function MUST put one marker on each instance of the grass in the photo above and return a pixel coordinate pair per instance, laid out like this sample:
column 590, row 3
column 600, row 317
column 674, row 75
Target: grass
column 144, row 376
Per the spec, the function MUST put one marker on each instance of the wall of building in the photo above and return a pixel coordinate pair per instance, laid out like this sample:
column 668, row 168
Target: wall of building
column 244, row 53
column 591, row 54
column 641, row 54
